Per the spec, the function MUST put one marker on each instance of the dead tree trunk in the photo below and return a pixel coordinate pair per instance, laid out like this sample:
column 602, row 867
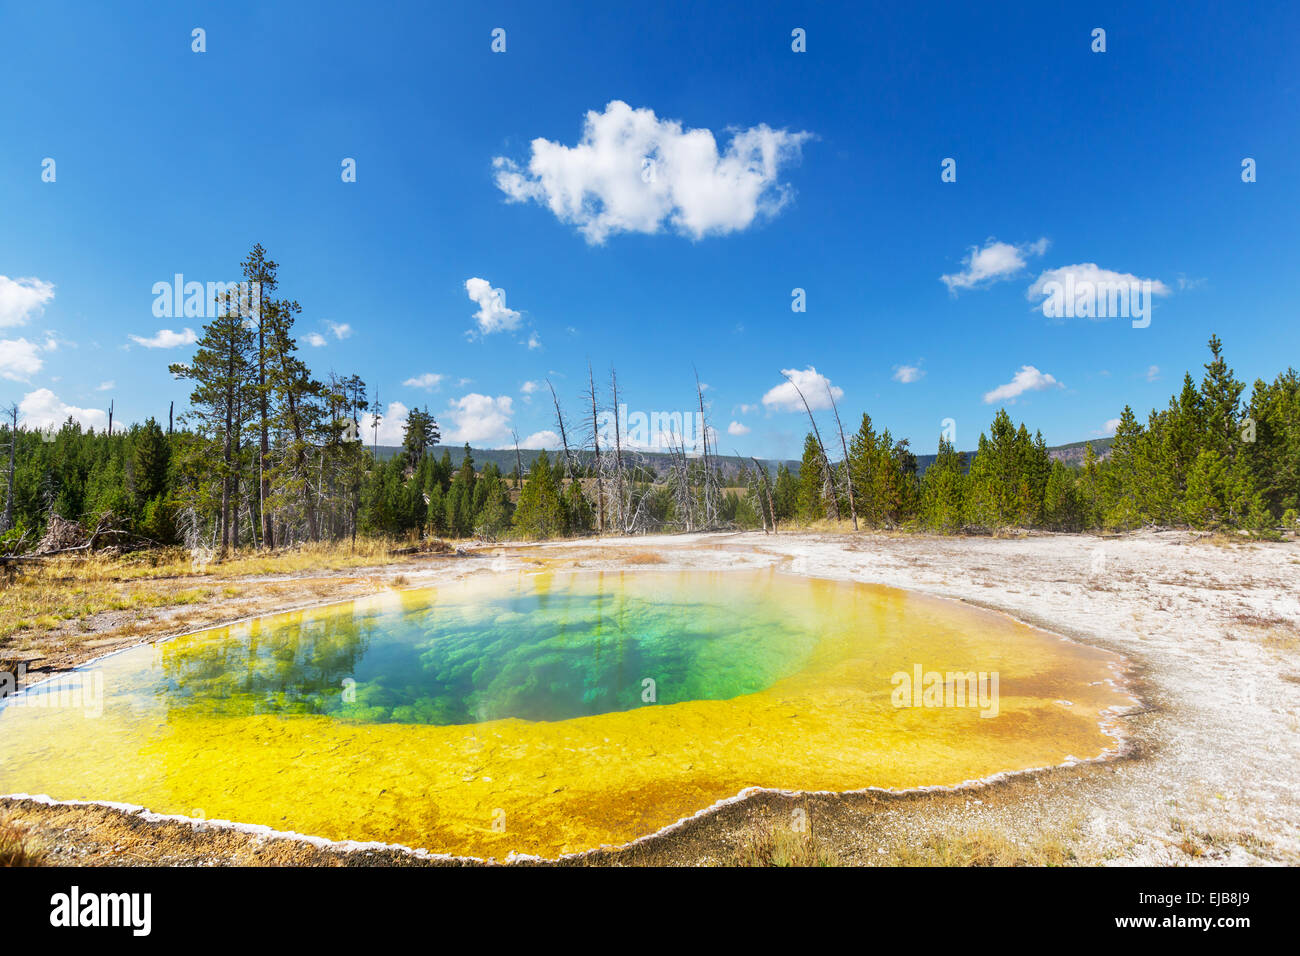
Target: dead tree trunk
column 848, row 472
column 826, row 462
column 710, row 479
column 519, row 460
column 595, row 438
column 618, row 451
column 564, row 433
column 767, row 487
column 7, row 519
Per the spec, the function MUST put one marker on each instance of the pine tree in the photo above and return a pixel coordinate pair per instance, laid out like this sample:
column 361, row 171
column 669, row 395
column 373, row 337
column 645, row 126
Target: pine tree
column 151, row 457
column 1120, row 478
column 540, row 512
column 810, row 505
column 943, row 490
column 221, row 404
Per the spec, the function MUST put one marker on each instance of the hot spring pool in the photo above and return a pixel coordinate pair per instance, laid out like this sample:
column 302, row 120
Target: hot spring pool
column 555, row 712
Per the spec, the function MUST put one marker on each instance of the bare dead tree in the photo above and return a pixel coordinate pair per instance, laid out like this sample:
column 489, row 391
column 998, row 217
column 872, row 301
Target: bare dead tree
column 679, row 478
column 711, row 491
column 595, row 438
column 621, row 512
column 564, row 433
column 767, row 487
column 7, row 519
column 828, row 484
column 519, row 460
column 848, row 472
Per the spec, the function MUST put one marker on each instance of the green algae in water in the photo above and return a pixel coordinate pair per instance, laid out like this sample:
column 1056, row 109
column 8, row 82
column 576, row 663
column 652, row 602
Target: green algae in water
column 538, row 649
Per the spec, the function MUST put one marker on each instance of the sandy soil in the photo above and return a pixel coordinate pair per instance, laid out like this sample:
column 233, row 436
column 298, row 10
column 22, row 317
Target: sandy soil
column 1210, row 772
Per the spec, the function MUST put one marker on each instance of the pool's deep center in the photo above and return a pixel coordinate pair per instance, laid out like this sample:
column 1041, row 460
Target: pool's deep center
column 535, row 653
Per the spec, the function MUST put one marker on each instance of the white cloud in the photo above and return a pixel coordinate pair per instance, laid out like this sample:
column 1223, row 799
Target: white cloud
column 479, row 418
column 43, row 408
column 1110, row 426
column 632, row 172
column 545, row 439
column 528, row 388
column 736, row 428
column 1028, row 379
column 20, row 299
column 428, row 381
column 392, row 425
column 19, row 359
column 907, row 373
column 813, row 385
column 1083, row 273
column 744, row 409
column 1153, row 373
column 166, row 339
column 341, row 330
column 106, row 386
column 492, row 315
column 315, row 340
column 534, row 342
column 995, row 261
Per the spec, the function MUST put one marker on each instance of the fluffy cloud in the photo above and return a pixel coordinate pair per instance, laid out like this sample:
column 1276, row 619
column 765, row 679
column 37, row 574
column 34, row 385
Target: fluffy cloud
column 633, row 172
column 20, row 299
column 428, row 381
column 166, row 339
column 479, row 418
column 315, row 340
column 392, row 425
column 341, row 330
column 737, row 428
column 43, row 408
column 995, row 261
column 1153, row 373
column 812, row 383
column 1110, row 426
column 19, row 359
column 907, row 373
column 545, row 439
column 1028, row 379
column 492, row 315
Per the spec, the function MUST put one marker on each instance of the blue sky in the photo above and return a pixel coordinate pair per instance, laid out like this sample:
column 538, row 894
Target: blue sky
column 826, row 177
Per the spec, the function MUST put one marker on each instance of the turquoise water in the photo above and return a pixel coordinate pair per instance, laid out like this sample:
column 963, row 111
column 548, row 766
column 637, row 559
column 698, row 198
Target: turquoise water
column 544, row 647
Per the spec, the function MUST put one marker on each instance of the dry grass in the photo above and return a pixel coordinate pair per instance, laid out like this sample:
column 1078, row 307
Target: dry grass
column 984, row 847
column 49, row 594
column 642, row 557
column 14, row 850
column 768, row 845
column 1276, row 633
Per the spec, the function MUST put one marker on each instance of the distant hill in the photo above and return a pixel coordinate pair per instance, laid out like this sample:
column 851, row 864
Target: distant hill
column 1071, row 454
column 504, row 458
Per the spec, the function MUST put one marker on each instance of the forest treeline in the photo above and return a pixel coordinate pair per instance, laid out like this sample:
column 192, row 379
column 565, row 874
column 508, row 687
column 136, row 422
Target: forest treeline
column 268, row 455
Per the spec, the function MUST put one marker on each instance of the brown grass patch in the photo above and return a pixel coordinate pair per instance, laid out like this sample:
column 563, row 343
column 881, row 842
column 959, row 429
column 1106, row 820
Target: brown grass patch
column 643, row 557
column 984, row 847
column 768, row 845
column 14, row 850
